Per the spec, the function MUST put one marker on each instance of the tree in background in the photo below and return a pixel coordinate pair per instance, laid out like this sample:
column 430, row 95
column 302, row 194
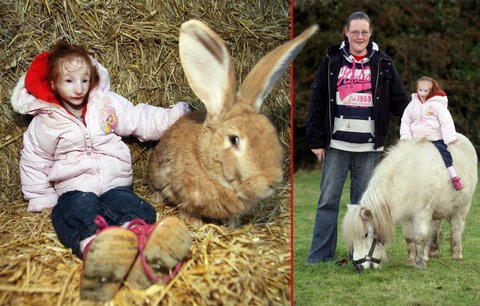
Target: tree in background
column 434, row 38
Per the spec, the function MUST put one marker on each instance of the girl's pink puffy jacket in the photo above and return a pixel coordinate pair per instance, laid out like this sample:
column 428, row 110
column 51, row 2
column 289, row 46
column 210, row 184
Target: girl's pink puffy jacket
column 430, row 120
column 61, row 153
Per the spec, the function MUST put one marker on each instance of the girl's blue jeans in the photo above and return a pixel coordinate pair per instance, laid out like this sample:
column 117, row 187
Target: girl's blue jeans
column 73, row 215
column 443, row 149
column 336, row 166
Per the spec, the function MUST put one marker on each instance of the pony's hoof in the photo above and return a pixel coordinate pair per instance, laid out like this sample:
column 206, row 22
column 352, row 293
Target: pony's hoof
column 420, row 265
column 433, row 253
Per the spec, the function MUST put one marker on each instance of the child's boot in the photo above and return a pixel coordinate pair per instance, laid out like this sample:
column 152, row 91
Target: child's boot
column 163, row 247
column 457, row 183
column 106, row 261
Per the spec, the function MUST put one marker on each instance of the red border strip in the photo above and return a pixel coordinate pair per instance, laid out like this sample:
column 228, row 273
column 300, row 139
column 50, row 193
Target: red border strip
column 291, row 161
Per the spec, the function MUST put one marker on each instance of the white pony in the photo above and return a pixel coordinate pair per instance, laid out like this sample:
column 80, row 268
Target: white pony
column 411, row 186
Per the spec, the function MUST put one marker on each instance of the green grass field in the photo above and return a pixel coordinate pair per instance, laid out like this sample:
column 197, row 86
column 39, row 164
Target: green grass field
column 444, row 282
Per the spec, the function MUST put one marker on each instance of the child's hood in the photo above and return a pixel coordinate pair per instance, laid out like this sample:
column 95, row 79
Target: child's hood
column 443, row 100
column 33, row 91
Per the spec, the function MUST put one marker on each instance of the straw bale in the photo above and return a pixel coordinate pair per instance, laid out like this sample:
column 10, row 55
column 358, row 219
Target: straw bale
column 137, row 41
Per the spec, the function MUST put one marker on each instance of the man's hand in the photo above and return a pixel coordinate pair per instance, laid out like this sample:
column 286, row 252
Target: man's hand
column 320, row 153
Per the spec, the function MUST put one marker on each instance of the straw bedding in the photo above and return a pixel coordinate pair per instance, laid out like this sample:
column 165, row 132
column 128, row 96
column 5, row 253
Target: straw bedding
column 138, row 43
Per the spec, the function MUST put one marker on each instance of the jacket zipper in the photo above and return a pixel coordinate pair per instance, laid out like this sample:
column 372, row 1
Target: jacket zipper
column 375, row 99
column 89, row 148
column 329, row 101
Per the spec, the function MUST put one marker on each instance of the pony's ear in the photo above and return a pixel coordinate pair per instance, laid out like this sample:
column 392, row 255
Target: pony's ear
column 261, row 79
column 207, row 66
column 365, row 214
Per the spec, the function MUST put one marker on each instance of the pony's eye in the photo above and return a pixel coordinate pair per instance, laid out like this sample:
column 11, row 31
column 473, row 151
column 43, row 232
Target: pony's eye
column 234, row 140
column 366, row 235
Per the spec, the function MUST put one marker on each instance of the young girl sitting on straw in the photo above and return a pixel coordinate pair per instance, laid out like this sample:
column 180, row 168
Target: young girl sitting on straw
column 74, row 160
column 427, row 117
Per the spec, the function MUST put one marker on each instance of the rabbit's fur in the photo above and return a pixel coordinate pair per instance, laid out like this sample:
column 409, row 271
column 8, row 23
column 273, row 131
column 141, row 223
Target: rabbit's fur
column 217, row 164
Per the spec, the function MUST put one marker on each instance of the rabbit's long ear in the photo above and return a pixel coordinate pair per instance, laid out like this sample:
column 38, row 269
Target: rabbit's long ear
column 207, row 65
column 261, row 79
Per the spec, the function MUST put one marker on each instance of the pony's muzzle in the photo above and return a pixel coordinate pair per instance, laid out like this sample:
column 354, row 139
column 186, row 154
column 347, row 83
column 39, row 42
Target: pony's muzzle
column 365, row 265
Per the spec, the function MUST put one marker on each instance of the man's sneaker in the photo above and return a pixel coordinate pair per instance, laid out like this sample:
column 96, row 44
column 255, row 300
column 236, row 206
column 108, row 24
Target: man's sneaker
column 457, row 183
column 106, row 261
column 162, row 249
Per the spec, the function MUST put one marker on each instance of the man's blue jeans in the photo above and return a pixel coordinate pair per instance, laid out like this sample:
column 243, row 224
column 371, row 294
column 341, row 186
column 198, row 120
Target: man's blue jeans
column 74, row 214
column 336, row 165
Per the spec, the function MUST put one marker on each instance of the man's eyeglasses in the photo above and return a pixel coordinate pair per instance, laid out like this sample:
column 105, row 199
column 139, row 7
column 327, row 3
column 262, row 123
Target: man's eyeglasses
column 357, row 33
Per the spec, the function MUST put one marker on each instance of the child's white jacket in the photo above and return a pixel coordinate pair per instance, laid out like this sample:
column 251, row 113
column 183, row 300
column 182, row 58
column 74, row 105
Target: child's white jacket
column 61, row 153
column 430, row 120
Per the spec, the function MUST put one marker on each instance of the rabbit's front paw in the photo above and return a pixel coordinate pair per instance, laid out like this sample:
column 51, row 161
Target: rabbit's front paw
column 190, row 219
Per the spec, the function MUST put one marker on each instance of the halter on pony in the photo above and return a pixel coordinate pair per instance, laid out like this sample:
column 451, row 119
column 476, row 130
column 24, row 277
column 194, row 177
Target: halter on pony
column 358, row 263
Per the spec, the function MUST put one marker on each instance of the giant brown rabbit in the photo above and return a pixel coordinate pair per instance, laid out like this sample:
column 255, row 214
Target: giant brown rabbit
column 217, row 164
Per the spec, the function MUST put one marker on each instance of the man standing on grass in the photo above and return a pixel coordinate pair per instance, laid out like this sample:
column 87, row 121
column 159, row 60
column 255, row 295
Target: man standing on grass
column 355, row 90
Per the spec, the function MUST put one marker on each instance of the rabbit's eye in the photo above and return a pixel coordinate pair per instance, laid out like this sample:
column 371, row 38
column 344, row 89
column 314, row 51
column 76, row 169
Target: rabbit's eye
column 234, row 140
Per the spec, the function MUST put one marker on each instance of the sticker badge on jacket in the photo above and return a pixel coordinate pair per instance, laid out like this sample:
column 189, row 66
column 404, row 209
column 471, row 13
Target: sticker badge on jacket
column 430, row 111
column 109, row 120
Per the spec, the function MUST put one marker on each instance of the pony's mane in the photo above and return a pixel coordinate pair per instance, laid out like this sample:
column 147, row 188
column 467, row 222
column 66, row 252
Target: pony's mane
column 377, row 197
column 393, row 157
column 352, row 226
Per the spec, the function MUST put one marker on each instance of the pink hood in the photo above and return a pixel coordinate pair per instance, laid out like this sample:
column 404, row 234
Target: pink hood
column 430, row 120
column 61, row 153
